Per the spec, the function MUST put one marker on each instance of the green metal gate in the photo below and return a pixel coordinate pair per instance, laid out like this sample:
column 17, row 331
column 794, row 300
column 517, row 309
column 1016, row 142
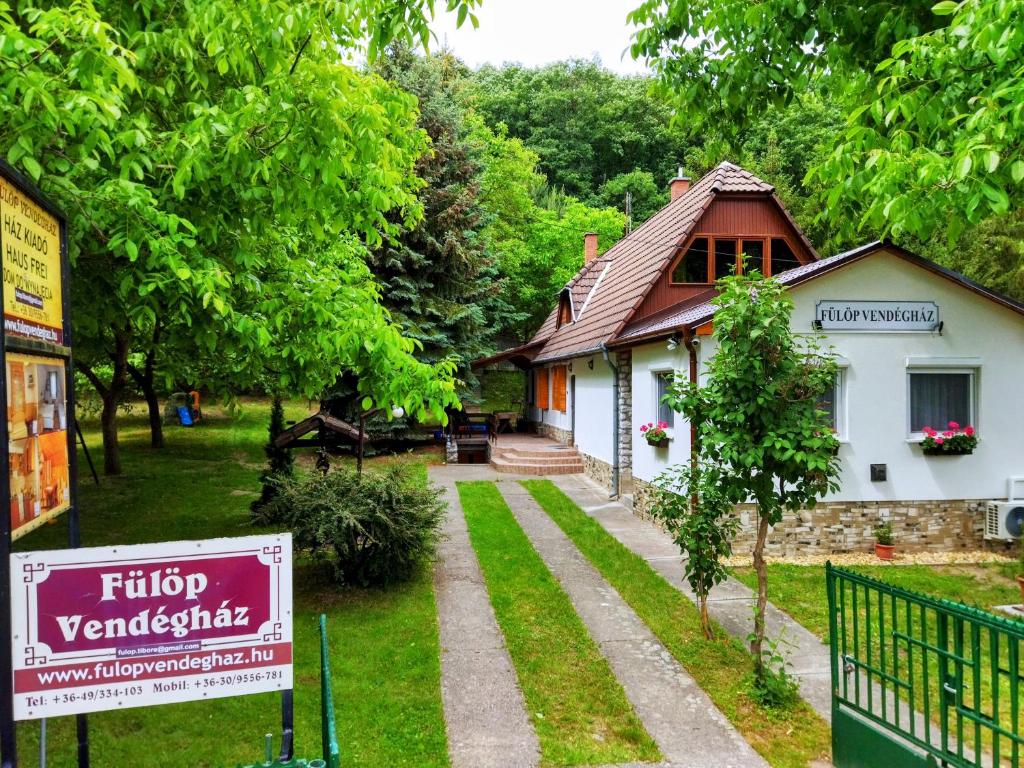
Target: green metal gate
column 919, row 681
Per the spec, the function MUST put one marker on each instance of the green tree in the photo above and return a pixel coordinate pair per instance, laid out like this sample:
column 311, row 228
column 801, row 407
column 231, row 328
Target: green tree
column 647, row 196
column 931, row 93
column 761, row 436
column 280, row 462
column 586, row 124
column 211, row 157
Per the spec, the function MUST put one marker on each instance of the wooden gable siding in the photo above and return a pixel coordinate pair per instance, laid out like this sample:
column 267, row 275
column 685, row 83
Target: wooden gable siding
column 750, row 216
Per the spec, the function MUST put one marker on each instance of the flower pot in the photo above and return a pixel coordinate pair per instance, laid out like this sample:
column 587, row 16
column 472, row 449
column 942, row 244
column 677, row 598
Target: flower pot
column 1020, row 583
column 658, row 443
column 884, row 551
column 947, row 452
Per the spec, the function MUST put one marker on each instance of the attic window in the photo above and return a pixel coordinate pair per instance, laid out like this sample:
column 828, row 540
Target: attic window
column 783, row 257
column 693, row 267
column 564, row 309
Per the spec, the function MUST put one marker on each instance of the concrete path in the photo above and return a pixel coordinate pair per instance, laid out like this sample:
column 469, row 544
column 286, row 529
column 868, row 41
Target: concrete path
column 686, row 725
column 731, row 603
column 483, row 706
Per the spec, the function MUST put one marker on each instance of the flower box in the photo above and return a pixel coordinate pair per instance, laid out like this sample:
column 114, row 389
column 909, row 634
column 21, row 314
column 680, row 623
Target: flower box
column 655, row 434
column 950, row 442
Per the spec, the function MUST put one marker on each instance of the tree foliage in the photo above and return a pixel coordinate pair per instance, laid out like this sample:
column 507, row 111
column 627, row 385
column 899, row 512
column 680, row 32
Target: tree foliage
column 223, row 171
column 932, row 94
column 761, row 437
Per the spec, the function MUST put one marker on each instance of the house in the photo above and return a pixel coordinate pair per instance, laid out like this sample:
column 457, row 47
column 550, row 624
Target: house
column 917, row 345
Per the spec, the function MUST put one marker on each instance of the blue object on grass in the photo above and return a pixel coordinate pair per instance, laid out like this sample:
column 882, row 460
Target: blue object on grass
column 185, row 416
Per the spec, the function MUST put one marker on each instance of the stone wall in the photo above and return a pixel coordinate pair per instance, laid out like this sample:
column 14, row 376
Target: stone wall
column 564, row 436
column 597, row 470
column 624, row 362
column 838, row 526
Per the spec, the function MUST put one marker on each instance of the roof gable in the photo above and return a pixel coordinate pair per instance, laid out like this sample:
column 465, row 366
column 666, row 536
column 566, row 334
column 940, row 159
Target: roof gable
column 634, row 264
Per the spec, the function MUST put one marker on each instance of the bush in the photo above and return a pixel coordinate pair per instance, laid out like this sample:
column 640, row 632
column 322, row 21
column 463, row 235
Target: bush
column 378, row 526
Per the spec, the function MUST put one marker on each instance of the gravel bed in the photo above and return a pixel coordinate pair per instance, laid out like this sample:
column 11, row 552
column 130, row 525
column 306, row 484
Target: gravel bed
column 866, row 558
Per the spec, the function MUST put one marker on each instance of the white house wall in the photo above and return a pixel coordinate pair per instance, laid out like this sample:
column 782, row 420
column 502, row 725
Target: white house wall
column 977, row 333
column 593, row 427
column 648, row 461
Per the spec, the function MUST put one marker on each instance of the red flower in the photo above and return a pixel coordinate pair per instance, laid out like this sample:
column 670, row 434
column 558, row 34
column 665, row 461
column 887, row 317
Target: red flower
column 954, row 425
column 929, row 431
column 662, row 424
column 969, row 431
column 948, row 433
column 938, row 441
column 643, row 428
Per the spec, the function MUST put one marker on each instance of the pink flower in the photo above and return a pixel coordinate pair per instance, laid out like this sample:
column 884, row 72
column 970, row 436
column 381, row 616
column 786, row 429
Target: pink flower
column 954, row 425
column 929, row 431
column 643, row 428
column 969, row 431
column 662, row 424
column 938, row 441
column 948, row 433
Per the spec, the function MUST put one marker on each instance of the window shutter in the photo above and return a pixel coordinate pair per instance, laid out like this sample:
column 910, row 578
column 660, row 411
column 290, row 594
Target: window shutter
column 542, row 388
column 558, row 388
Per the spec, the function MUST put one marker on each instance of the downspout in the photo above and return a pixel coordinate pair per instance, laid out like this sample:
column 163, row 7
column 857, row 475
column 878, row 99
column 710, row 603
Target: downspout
column 691, row 347
column 615, row 422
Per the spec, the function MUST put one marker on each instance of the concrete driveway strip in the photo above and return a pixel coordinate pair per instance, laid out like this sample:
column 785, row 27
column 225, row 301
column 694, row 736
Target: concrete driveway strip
column 731, row 603
column 484, row 709
column 682, row 720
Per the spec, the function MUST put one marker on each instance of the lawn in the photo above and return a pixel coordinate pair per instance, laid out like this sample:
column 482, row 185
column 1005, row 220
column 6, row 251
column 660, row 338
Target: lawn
column 384, row 644
column 791, row 739
column 579, row 710
column 799, row 590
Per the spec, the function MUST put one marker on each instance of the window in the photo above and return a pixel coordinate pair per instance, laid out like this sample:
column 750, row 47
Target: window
column 753, row 251
column 725, row 258
column 939, row 397
column 833, row 403
column 693, row 267
column 558, row 388
column 661, row 382
column 782, row 257
column 542, row 388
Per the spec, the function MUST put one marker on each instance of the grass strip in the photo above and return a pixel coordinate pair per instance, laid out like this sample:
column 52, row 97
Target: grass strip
column 790, row 739
column 576, row 705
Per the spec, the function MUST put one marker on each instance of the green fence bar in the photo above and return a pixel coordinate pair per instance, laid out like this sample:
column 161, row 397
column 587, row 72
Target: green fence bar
column 921, row 662
column 329, row 730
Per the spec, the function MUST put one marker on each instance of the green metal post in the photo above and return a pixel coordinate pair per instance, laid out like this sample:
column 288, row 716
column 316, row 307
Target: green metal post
column 332, row 753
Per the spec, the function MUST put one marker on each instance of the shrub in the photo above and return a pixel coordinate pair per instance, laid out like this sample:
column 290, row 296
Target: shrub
column 377, row 526
column 279, row 467
column 884, row 535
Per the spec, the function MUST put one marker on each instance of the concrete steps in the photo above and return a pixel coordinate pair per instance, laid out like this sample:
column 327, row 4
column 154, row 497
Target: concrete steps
column 548, row 458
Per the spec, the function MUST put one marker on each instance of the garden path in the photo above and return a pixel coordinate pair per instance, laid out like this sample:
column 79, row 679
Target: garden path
column 731, row 603
column 688, row 728
column 484, row 709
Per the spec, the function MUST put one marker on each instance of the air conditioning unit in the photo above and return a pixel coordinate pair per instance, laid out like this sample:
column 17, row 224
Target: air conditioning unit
column 1004, row 520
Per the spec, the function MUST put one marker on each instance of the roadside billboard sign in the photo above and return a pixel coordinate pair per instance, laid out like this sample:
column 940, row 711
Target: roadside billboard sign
column 127, row 626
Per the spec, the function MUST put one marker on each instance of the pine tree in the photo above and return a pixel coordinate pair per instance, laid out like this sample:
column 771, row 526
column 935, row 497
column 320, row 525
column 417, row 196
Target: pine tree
column 280, row 462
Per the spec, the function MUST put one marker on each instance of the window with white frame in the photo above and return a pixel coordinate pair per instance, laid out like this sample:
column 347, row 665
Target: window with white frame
column 833, row 403
column 662, row 379
column 940, row 396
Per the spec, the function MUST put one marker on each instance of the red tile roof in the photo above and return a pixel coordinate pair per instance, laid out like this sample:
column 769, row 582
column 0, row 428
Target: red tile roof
column 634, row 263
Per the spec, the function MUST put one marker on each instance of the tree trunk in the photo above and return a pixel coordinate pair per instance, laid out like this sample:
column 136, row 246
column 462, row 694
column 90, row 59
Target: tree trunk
column 705, row 620
column 111, row 448
column 757, row 644
column 146, row 381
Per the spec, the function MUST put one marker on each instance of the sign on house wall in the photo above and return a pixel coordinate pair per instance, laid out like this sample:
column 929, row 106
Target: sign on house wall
column 128, row 626
column 30, row 238
column 855, row 315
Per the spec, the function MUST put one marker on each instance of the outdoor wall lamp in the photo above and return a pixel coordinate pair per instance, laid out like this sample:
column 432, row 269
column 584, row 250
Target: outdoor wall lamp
column 590, row 363
column 673, row 341
column 816, row 325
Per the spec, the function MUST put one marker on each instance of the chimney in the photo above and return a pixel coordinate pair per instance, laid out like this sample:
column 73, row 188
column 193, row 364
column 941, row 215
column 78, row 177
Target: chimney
column 678, row 185
column 589, row 247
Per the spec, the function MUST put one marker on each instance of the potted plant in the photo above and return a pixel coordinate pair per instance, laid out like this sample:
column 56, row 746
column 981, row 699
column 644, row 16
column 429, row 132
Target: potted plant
column 883, row 542
column 655, row 433
column 953, row 441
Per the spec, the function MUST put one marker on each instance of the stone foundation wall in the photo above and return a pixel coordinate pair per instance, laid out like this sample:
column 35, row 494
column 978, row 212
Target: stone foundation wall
column 840, row 526
column 563, row 436
column 597, row 470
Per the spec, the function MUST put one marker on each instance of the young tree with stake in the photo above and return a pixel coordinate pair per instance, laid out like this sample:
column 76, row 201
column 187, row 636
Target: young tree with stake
column 761, row 434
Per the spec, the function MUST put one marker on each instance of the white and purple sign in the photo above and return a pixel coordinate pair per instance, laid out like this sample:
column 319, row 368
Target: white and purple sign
column 855, row 315
column 129, row 626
